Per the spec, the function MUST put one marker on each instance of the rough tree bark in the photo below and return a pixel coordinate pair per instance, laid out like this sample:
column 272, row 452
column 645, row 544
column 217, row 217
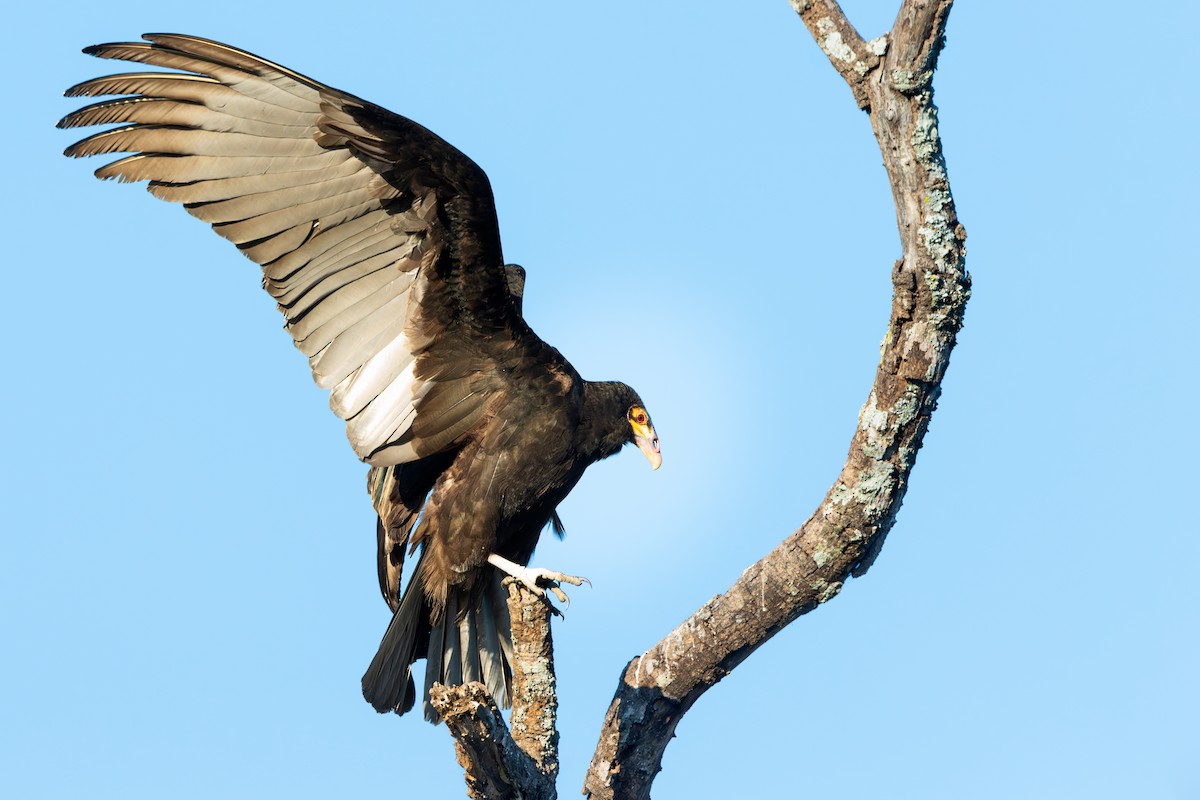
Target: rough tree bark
column 523, row 763
column 891, row 79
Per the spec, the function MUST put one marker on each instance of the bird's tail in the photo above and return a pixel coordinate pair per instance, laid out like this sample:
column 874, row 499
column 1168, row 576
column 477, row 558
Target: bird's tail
column 470, row 640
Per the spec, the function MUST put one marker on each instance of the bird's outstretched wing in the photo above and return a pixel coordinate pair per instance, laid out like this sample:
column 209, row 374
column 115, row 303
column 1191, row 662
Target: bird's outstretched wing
column 377, row 238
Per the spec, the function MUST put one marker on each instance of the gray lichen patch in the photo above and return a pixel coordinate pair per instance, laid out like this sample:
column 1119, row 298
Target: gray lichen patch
column 871, row 492
column 875, row 488
column 919, row 357
column 873, row 422
column 822, row 556
column 826, row 590
column 935, row 285
column 939, row 240
column 907, row 407
column 536, row 671
column 925, row 141
column 835, row 46
column 938, row 231
column 909, row 81
column 832, row 43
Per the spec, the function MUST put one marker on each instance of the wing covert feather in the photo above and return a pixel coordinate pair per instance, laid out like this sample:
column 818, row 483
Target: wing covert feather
column 377, row 238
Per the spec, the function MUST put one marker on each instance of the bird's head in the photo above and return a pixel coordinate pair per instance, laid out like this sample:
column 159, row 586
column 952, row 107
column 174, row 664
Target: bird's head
column 641, row 431
column 614, row 416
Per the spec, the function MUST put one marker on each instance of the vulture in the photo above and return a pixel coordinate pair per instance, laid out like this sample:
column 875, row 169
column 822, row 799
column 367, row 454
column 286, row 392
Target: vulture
column 379, row 242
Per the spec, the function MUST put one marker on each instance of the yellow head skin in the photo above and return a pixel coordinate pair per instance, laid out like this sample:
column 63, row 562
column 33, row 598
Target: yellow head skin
column 644, row 436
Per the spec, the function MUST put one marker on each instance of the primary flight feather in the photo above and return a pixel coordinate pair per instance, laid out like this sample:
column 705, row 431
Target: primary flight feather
column 380, row 243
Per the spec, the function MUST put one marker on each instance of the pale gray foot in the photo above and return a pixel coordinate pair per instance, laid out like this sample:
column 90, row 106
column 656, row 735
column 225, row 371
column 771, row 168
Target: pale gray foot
column 534, row 578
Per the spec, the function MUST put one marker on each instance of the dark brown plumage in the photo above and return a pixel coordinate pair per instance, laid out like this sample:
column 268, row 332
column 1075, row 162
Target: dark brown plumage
column 380, row 243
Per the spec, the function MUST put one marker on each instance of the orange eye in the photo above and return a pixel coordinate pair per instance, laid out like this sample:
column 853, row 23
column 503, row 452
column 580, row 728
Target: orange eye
column 639, row 416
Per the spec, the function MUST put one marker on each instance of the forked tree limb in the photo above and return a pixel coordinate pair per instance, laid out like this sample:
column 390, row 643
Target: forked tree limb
column 891, row 78
column 499, row 763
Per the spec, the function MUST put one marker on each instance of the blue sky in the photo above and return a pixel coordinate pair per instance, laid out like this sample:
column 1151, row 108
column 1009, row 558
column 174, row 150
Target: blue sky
column 187, row 586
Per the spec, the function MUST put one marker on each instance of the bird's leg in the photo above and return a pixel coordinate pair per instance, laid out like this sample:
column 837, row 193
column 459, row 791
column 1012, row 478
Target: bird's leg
column 533, row 578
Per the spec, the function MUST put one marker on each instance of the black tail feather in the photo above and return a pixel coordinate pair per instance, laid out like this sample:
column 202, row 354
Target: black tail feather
column 387, row 684
column 470, row 641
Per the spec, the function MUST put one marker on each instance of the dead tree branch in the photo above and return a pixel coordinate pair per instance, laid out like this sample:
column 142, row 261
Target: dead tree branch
column 891, row 78
column 500, row 764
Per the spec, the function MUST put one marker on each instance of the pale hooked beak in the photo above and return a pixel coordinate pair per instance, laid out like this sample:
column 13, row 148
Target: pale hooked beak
column 647, row 441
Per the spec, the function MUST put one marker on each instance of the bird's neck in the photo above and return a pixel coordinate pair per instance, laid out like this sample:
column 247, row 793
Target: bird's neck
column 603, row 429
